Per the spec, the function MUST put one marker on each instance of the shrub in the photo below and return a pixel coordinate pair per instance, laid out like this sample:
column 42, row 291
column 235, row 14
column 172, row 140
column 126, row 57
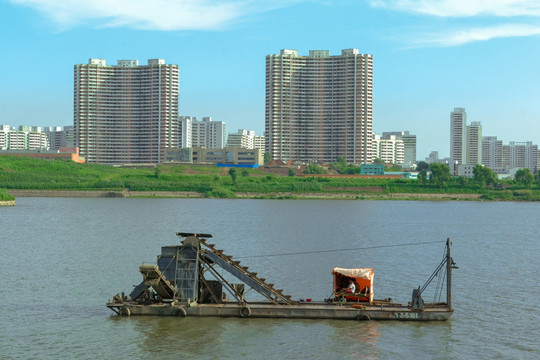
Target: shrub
column 4, row 196
column 220, row 192
column 522, row 193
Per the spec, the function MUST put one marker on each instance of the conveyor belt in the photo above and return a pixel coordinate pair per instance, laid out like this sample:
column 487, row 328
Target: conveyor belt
column 241, row 272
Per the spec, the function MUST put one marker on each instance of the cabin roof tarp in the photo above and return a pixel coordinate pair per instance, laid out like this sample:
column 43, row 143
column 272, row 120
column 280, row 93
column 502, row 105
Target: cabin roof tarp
column 361, row 273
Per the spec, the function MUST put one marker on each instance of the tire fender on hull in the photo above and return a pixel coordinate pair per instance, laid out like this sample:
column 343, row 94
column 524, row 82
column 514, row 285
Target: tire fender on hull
column 124, row 311
column 362, row 316
column 245, row 312
column 181, row 312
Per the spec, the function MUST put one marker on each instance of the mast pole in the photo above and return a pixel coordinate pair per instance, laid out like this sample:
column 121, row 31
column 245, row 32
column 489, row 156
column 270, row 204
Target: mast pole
column 448, row 275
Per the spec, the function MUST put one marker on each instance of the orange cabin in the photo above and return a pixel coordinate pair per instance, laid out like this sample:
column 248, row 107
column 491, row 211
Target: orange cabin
column 363, row 280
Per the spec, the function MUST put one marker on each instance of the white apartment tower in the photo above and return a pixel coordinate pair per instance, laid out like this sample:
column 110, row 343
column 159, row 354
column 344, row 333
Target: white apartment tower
column 242, row 139
column 25, row 138
column 259, row 142
column 409, row 144
column 186, row 131
column 319, row 107
column 209, row 134
column 391, row 149
column 125, row 113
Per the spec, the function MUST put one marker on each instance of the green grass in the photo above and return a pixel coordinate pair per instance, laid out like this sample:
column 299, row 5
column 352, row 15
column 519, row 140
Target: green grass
column 4, row 196
column 211, row 181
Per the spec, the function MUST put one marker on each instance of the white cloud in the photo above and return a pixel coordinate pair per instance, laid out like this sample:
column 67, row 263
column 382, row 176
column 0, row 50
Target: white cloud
column 460, row 37
column 463, row 8
column 492, row 14
column 151, row 14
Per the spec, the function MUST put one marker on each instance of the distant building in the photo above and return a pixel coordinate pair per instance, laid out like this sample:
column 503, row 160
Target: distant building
column 125, row 113
column 372, row 169
column 506, row 156
column 319, row 107
column 390, row 150
column 242, row 139
column 202, row 155
column 208, row 133
column 433, row 157
column 228, row 156
column 62, row 153
column 466, row 170
column 523, row 155
column 259, row 142
column 182, row 155
column 458, row 135
column 25, row 138
column 409, row 145
column 4, row 130
column 465, row 141
column 246, row 139
column 186, row 131
column 492, row 152
column 474, row 143
column 59, row 137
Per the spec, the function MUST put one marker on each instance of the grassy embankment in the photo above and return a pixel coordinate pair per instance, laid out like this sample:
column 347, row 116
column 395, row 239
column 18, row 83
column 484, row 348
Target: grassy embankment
column 4, row 196
column 210, row 181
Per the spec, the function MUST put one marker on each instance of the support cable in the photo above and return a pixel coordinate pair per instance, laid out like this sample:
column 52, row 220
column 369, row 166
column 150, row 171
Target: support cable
column 338, row 250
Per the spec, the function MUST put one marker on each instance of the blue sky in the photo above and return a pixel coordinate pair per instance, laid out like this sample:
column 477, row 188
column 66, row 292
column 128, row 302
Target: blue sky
column 429, row 57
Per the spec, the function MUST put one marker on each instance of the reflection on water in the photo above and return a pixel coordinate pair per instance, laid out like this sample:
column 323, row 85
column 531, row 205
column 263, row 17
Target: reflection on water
column 201, row 338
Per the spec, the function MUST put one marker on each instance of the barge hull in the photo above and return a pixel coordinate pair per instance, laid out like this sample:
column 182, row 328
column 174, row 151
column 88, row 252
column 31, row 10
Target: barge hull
column 303, row 311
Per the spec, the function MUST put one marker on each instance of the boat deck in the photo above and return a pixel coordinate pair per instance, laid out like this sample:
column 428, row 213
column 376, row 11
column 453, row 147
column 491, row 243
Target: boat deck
column 313, row 310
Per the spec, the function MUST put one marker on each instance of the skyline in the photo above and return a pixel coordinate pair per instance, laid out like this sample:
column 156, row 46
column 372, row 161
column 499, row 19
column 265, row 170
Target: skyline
column 429, row 57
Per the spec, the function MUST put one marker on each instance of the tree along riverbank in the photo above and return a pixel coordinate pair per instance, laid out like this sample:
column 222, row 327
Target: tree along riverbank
column 38, row 177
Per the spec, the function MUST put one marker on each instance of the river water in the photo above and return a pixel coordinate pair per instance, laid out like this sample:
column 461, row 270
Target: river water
column 62, row 259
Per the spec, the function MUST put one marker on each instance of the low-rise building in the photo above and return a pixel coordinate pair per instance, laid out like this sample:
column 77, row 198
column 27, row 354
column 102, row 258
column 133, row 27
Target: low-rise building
column 372, row 169
column 466, row 170
column 62, row 153
column 201, row 155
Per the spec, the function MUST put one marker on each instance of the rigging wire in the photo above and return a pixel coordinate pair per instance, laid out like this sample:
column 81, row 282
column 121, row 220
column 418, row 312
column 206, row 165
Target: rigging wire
column 339, row 250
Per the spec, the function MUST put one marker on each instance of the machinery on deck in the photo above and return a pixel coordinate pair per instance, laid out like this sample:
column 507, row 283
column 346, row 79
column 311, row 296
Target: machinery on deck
column 186, row 281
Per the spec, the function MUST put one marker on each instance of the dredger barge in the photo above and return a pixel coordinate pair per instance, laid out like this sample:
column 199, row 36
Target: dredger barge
column 180, row 285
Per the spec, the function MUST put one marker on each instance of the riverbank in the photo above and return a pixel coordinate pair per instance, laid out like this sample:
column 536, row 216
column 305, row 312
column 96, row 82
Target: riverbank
column 44, row 178
column 7, row 203
column 246, row 195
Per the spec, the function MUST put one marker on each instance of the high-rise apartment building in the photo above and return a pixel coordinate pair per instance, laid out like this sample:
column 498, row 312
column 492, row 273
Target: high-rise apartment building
column 319, row 107
column 259, row 142
column 391, row 150
column 474, row 143
column 409, row 145
column 246, row 139
column 492, row 152
column 523, row 155
column 465, row 140
column 186, row 130
column 25, row 138
column 209, row 134
column 60, row 138
column 458, row 135
column 241, row 139
column 126, row 113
